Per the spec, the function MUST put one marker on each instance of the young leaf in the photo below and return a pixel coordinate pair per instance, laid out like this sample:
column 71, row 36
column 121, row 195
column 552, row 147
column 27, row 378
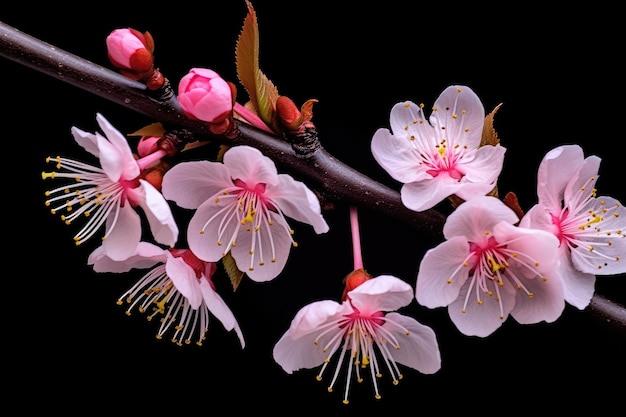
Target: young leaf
column 263, row 93
column 231, row 269
column 490, row 137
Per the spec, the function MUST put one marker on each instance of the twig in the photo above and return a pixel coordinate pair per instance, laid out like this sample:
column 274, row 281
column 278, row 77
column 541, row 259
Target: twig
column 329, row 176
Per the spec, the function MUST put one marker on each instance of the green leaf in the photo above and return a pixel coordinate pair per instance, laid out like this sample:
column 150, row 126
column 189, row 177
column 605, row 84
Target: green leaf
column 263, row 93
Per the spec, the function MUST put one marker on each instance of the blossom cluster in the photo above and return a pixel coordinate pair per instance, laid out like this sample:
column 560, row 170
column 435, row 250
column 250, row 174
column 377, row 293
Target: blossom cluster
column 496, row 261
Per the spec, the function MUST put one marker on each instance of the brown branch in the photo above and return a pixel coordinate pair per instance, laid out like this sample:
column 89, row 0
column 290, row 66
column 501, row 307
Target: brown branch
column 329, row 176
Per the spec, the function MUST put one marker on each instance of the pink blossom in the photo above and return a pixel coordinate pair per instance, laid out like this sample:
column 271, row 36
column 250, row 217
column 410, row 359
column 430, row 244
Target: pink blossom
column 204, row 95
column 363, row 333
column 590, row 229
column 489, row 268
column 108, row 196
column 178, row 290
column 441, row 157
column 131, row 51
column 241, row 207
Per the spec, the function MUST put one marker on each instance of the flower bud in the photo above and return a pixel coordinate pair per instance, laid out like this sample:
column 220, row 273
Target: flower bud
column 204, row 95
column 131, row 52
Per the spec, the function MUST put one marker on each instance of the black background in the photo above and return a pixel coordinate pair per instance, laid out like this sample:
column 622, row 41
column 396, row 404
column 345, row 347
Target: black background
column 559, row 76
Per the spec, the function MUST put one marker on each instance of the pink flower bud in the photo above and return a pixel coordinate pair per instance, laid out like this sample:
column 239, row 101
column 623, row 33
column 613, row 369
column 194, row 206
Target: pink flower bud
column 131, row 51
column 204, row 95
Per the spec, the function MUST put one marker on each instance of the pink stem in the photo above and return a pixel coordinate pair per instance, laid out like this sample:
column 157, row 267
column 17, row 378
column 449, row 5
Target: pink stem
column 251, row 118
column 150, row 159
column 356, row 238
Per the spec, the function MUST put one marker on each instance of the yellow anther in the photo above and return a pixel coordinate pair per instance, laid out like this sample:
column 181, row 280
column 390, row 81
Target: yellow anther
column 495, row 266
column 45, row 175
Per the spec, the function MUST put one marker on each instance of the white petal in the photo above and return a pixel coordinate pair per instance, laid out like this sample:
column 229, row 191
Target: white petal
column 145, row 256
column 184, row 279
column 419, row 349
column 189, row 184
column 159, row 215
column 382, row 293
column 206, row 245
column 123, row 239
column 250, row 165
column 396, row 156
column 298, row 202
column 442, row 274
column 476, row 216
column 219, row 309
column 270, row 254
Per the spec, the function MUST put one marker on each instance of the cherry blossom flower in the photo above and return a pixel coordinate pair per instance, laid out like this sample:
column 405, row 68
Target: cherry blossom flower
column 241, row 207
column 489, row 268
column 364, row 333
column 364, row 329
column 441, row 157
column 178, row 290
column 590, row 229
column 108, row 196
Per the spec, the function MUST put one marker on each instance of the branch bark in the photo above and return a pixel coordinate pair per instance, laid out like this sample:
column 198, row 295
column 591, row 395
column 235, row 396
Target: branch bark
column 330, row 177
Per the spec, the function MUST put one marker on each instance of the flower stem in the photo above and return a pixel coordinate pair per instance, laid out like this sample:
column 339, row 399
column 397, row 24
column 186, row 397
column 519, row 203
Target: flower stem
column 148, row 160
column 356, row 238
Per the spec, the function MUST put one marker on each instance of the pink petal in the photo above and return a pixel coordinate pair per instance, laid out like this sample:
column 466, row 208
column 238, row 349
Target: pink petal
column 124, row 237
column 146, row 255
column 477, row 215
column 398, row 157
column 546, row 304
column 189, row 184
column 578, row 287
column 419, row 349
column 184, row 279
column 219, row 309
column 383, row 293
column 276, row 246
column 481, row 319
column 205, row 245
column 460, row 101
column 297, row 201
column 159, row 216
column 425, row 194
column 87, row 140
column 439, row 265
column 296, row 348
column 555, row 170
column 250, row 165
column 129, row 165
